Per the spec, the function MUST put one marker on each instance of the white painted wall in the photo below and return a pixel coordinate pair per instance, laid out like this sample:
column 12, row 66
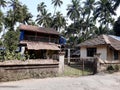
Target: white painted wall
column 100, row 49
column 103, row 52
column 83, row 52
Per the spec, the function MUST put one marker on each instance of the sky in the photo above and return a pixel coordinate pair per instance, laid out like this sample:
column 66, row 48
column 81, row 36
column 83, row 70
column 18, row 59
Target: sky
column 32, row 6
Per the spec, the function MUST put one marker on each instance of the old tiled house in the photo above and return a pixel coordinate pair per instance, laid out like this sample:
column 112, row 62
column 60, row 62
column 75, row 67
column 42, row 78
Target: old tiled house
column 38, row 42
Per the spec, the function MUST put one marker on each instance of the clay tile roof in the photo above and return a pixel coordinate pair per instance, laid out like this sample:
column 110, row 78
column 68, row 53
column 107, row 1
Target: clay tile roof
column 114, row 43
column 32, row 45
column 102, row 40
column 93, row 42
column 38, row 29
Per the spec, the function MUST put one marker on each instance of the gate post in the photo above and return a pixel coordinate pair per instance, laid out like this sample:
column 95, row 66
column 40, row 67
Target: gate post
column 61, row 62
column 96, row 64
column 68, row 56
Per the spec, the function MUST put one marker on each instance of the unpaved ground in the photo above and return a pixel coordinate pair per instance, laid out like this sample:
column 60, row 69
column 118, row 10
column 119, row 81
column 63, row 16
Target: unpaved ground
column 96, row 82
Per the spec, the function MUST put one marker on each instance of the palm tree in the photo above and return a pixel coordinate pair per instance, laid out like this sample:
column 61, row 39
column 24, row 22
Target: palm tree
column 44, row 18
column 111, row 5
column 41, row 7
column 116, row 27
column 103, row 15
column 74, row 14
column 58, row 22
column 1, row 20
column 2, row 3
column 88, row 7
column 73, row 10
column 116, row 5
column 56, row 3
column 19, row 13
column 87, row 20
column 15, row 11
column 25, row 16
column 9, row 20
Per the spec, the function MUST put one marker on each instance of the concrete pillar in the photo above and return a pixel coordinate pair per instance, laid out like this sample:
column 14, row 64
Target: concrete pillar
column 68, row 56
column 61, row 62
column 22, row 52
column 97, row 66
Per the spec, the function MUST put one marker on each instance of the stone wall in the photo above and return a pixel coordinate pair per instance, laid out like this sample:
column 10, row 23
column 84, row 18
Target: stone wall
column 106, row 66
column 24, row 70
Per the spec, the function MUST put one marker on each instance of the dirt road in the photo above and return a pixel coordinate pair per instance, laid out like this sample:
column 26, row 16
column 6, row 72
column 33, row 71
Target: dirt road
column 96, row 82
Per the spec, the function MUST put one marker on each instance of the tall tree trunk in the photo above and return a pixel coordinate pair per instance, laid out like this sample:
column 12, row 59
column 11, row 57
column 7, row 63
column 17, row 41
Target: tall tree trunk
column 54, row 11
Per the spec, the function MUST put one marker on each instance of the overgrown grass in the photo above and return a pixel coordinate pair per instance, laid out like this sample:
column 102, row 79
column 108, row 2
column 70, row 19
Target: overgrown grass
column 75, row 71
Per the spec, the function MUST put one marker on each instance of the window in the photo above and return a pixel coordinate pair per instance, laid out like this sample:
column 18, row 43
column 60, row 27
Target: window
column 91, row 52
column 115, row 55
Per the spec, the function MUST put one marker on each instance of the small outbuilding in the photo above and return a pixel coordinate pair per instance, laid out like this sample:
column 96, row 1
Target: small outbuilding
column 106, row 46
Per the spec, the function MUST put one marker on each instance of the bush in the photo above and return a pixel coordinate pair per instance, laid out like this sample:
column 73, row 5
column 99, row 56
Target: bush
column 113, row 68
column 13, row 56
column 110, row 67
column 18, row 56
column 116, row 67
column 9, row 55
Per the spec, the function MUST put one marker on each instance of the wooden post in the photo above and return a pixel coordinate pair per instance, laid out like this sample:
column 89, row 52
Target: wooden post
column 49, row 39
column 95, row 66
column 83, row 67
column 35, row 35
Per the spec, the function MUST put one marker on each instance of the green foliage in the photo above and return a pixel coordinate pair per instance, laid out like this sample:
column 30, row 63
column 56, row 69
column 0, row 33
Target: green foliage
column 17, row 56
column 9, row 55
column 116, row 5
column 41, row 7
column 3, row 3
column 73, row 10
column 11, row 40
column 44, row 18
column 56, row 3
column 27, row 56
column 84, row 14
column 110, row 67
column 1, row 42
column 58, row 21
column 13, row 56
column 113, row 68
column 117, row 67
column 116, row 27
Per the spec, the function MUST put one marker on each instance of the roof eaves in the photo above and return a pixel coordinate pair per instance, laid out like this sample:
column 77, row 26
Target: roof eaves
column 38, row 29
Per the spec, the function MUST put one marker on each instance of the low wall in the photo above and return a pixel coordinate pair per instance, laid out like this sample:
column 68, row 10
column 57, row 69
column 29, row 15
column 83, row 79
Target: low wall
column 104, row 67
column 16, row 70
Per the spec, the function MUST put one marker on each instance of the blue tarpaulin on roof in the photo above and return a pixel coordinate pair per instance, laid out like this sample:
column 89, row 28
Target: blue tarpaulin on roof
column 62, row 40
column 21, row 35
